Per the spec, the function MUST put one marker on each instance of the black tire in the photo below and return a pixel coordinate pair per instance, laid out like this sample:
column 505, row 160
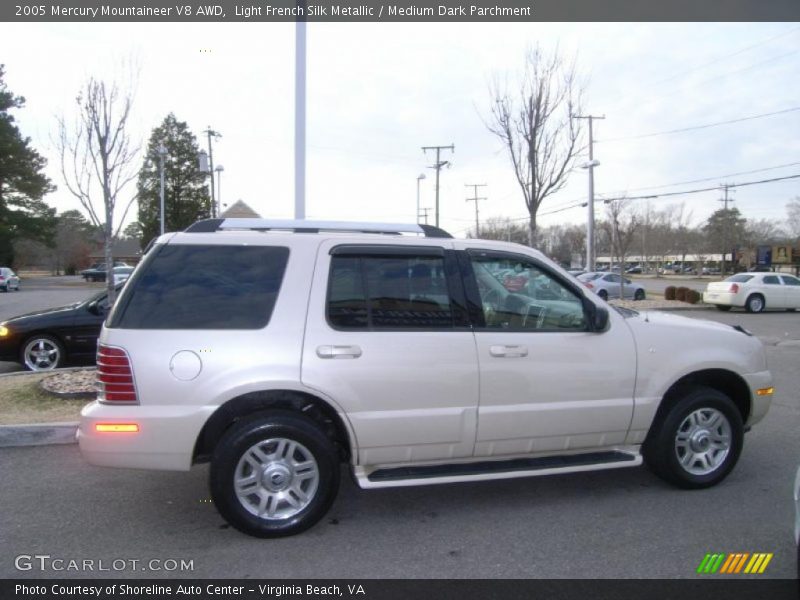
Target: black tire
column 263, row 431
column 52, row 352
column 638, row 294
column 755, row 303
column 661, row 449
column 603, row 294
column 722, row 307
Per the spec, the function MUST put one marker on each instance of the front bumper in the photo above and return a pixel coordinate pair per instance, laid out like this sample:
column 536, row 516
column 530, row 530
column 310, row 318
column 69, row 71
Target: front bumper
column 165, row 440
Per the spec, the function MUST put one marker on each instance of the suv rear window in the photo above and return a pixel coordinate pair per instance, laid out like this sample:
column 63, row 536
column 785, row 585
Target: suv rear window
column 203, row 287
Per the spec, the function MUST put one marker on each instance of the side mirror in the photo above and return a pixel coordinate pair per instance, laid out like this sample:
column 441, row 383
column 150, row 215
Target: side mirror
column 597, row 316
column 97, row 308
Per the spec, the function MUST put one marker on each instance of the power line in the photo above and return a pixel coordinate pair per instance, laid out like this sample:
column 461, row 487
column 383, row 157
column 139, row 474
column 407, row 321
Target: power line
column 697, row 127
column 715, row 178
column 725, row 57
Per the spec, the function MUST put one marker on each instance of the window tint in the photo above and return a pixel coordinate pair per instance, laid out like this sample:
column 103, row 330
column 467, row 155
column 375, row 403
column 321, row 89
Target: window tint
column 740, row 278
column 382, row 292
column 203, row 287
column 540, row 302
column 789, row 280
column 771, row 279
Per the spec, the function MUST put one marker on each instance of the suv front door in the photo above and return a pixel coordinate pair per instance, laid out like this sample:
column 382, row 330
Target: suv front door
column 548, row 383
column 388, row 340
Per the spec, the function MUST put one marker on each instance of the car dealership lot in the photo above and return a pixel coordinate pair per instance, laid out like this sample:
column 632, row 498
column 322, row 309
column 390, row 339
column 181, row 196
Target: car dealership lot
column 623, row 523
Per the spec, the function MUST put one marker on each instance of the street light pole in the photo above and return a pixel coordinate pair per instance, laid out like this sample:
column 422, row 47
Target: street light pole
column 162, row 153
column 420, row 177
column 590, row 220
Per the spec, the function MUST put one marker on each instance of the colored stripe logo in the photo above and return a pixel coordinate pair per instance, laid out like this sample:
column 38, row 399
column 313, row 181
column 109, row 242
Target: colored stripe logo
column 736, row 563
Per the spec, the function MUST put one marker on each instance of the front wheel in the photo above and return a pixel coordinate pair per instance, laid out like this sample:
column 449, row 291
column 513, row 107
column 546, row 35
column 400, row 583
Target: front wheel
column 42, row 353
column 274, row 474
column 697, row 442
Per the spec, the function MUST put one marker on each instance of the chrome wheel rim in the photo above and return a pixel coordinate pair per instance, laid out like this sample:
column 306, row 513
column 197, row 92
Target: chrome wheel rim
column 756, row 304
column 41, row 355
column 276, row 478
column 703, row 441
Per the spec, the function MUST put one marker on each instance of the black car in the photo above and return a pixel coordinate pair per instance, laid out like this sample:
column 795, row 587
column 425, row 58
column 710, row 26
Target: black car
column 48, row 339
column 97, row 272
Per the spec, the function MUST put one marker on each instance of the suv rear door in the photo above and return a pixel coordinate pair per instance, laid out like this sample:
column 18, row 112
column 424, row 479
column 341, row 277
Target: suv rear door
column 388, row 340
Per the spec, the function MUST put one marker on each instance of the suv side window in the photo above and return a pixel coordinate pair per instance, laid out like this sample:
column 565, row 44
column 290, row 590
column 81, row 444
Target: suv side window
column 184, row 286
column 518, row 295
column 388, row 292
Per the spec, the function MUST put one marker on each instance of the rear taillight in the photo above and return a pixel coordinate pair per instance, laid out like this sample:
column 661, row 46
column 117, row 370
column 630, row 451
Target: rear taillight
column 114, row 375
column 588, row 285
column 734, row 288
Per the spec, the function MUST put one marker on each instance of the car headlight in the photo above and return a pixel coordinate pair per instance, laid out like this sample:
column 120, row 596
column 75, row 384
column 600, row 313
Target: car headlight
column 4, row 331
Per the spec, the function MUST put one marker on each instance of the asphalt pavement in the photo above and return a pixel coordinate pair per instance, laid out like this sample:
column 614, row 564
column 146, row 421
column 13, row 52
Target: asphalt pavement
column 615, row 524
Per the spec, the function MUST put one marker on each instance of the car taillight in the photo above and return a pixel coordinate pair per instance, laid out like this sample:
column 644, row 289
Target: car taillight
column 588, row 285
column 735, row 288
column 114, row 375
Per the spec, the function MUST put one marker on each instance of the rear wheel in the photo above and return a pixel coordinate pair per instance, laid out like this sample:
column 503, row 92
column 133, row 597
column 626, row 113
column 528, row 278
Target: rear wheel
column 274, row 474
column 697, row 442
column 723, row 307
column 639, row 294
column 755, row 303
column 603, row 294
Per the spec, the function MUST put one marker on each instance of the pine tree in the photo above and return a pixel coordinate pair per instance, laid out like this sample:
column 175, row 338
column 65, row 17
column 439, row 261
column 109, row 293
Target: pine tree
column 23, row 184
column 186, row 197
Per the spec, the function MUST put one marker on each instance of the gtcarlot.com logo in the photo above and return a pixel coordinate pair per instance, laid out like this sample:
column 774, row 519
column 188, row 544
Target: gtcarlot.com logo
column 734, row 564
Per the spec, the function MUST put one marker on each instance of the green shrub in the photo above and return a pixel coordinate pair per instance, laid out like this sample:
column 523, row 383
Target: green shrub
column 669, row 292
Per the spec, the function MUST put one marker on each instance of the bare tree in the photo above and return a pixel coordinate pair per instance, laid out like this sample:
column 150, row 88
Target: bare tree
column 624, row 224
column 97, row 159
column 536, row 127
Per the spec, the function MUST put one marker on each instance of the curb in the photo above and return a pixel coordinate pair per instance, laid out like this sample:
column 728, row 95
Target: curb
column 39, row 434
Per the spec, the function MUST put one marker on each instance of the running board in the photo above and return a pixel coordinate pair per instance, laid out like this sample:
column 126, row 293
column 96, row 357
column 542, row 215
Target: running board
column 494, row 469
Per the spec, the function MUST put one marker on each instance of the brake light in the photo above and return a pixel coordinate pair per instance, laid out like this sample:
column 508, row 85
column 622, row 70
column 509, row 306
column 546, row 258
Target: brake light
column 114, row 375
column 735, row 288
column 588, row 285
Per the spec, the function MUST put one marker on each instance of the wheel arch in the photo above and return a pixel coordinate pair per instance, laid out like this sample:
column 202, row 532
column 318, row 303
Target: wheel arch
column 729, row 383
column 251, row 403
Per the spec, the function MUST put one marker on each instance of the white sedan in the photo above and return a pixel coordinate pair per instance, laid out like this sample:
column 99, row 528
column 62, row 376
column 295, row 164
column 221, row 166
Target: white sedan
column 755, row 292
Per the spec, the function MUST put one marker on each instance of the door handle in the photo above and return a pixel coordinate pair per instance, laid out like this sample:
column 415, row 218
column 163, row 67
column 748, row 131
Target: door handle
column 338, row 351
column 508, row 351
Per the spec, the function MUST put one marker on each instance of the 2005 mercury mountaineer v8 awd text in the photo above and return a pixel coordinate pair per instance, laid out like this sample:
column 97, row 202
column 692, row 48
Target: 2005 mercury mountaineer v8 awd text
column 277, row 350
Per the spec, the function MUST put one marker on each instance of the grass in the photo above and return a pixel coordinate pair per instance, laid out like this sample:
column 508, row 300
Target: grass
column 22, row 401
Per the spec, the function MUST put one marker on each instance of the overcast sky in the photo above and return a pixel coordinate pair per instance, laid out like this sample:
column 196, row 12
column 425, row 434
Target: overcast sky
column 377, row 92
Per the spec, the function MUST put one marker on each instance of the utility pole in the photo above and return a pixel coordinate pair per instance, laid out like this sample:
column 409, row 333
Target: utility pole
column 475, row 199
column 725, row 223
column 211, row 133
column 424, row 212
column 590, row 220
column 438, row 166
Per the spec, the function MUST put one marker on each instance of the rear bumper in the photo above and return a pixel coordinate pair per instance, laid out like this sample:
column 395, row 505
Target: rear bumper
column 165, row 440
column 723, row 298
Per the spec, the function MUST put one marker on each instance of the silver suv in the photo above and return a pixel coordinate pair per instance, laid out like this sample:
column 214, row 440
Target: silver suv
column 277, row 350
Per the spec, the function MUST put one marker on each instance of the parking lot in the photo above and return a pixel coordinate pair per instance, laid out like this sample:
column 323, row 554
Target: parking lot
column 616, row 524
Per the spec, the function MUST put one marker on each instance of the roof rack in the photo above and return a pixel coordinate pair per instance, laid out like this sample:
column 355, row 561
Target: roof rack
column 303, row 226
